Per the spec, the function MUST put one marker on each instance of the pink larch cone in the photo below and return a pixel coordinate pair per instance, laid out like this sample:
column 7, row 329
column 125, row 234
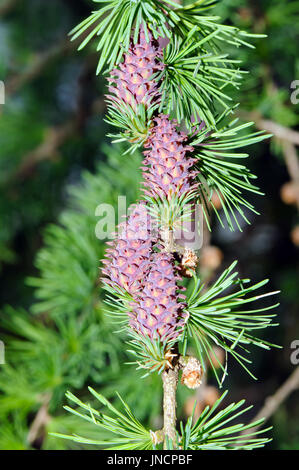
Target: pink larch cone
column 156, row 311
column 128, row 257
column 133, row 81
column 133, row 261
column 167, row 167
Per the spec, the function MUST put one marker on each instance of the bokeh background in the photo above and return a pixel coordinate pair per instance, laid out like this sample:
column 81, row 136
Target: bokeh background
column 57, row 165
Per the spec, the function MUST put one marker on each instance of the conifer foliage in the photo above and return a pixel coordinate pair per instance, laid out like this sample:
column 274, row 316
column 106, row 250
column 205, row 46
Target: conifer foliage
column 169, row 79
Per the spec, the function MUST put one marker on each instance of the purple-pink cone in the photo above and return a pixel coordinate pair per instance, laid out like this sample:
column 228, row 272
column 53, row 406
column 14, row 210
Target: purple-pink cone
column 157, row 311
column 167, row 167
column 133, row 261
column 128, row 257
column 133, row 83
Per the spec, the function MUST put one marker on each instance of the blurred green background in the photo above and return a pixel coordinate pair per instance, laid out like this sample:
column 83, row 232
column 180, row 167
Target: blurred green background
column 57, row 165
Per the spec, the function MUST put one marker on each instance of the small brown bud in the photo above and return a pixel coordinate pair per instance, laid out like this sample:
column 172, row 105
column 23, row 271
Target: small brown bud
column 189, row 260
column 186, row 272
column 192, row 372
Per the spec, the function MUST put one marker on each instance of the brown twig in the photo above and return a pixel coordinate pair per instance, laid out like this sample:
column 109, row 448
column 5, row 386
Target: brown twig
column 54, row 138
column 279, row 131
column 170, row 382
column 191, row 378
column 40, row 421
column 273, row 402
column 39, row 62
column 289, row 139
column 36, row 66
